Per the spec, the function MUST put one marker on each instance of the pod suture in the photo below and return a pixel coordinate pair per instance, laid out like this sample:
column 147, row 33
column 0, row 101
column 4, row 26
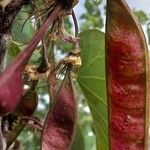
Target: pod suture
column 60, row 124
column 126, row 63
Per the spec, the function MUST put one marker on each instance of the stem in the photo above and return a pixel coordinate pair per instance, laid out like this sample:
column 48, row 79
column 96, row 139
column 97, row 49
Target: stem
column 75, row 23
column 51, row 58
column 51, row 83
column 43, row 67
column 35, row 123
column 4, row 44
column 34, row 85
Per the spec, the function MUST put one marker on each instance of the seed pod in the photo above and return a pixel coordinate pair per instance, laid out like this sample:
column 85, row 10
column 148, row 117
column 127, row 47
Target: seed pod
column 60, row 123
column 11, row 84
column 126, row 63
column 28, row 103
column 26, row 107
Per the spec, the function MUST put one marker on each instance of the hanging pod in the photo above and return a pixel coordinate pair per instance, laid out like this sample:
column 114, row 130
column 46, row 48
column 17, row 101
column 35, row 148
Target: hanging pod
column 127, row 78
column 29, row 101
column 26, row 107
column 60, row 124
column 11, row 84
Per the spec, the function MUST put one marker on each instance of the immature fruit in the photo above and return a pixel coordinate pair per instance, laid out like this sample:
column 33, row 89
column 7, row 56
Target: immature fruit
column 126, row 61
column 26, row 107
column 60, row 124
column 28, row 104
column 11, row 84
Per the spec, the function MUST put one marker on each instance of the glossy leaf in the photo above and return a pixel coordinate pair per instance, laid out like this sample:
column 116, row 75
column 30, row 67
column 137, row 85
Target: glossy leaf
column 91, row 78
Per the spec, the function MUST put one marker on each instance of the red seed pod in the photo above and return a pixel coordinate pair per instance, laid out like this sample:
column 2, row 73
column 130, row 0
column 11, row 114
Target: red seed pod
column 127, row 85
column 11, row 84
column 60, row 123
column 28, row 103
column 26, row 107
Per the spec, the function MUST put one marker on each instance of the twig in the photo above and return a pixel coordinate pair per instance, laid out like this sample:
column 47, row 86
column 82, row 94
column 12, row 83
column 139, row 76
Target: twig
column 75, row 23
column 32, row 122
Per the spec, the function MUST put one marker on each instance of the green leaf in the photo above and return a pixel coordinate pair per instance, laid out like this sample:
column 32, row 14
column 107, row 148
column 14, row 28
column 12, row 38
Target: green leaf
column 141, row 16
column 79, row 140
column 23, row 27
column 13, row 51
column 91, row 78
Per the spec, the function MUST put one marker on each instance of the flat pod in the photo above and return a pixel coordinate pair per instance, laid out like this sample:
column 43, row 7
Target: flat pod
column 11, row 83
column 126, row 61
column 26, row 107
column 60, row 123
column 28, row 104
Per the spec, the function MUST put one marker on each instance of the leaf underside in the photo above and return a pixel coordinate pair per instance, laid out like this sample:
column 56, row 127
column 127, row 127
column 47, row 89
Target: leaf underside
column 91, row 78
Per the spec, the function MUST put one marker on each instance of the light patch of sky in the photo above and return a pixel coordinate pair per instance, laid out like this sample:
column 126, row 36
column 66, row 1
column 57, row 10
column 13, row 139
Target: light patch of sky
column 137, row 4
column 140, row 5
column 134, row 4
column 79, row 9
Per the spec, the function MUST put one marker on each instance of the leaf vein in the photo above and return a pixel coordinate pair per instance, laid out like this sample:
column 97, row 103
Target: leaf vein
column 93, row 93
column 90, row 63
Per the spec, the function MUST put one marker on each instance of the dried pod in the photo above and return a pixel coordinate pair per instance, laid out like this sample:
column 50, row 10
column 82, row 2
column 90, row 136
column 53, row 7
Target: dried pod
column 26, row 107
column 127, row 81
column 60, row 123
column 11, row 84
column 65, row 36
column 28, row 103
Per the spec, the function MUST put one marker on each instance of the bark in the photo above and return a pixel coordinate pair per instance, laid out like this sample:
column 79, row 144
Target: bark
column 7, row 17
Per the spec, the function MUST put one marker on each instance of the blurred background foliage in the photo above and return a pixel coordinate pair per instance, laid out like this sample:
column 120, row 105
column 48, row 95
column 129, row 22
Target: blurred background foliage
column 23, row 30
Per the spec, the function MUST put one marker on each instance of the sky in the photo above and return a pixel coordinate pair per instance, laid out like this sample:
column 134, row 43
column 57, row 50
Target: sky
column 140, row 4
column 136, row 4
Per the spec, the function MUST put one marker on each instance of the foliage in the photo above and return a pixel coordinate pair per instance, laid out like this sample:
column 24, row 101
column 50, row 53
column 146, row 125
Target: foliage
column 92, row 17
column 91, row 78
column 142, row 16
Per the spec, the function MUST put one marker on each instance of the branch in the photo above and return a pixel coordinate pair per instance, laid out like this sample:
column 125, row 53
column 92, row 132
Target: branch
column 6, row 21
